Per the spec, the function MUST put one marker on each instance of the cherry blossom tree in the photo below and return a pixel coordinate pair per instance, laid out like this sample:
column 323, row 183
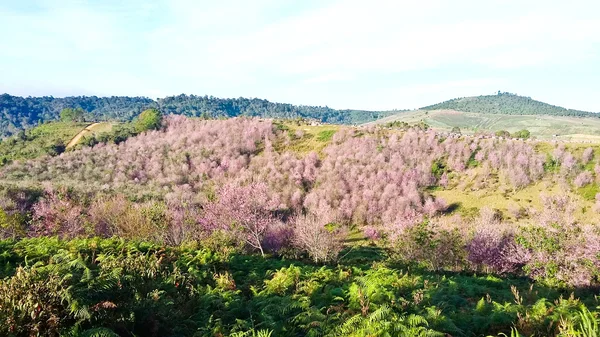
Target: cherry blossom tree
column 246, row 210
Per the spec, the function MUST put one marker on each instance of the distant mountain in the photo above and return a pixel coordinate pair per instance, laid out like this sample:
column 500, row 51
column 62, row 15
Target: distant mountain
column 17, row 113
column 507, row 104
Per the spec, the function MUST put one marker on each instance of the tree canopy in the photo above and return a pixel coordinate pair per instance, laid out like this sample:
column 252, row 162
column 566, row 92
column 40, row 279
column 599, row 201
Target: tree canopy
column 72, row 115
column 149, row 119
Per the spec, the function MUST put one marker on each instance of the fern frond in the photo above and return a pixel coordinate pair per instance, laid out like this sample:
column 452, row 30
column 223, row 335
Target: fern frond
column 99, row 332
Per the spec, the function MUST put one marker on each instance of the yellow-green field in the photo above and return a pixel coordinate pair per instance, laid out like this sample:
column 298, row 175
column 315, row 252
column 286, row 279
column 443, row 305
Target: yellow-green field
column 528, row 197
column 308, row 138
column 540, row 126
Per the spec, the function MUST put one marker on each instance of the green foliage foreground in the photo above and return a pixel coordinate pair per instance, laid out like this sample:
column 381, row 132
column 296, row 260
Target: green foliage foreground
column 113, row 287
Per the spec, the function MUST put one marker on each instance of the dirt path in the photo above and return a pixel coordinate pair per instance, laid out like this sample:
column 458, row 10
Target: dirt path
column 80, row 135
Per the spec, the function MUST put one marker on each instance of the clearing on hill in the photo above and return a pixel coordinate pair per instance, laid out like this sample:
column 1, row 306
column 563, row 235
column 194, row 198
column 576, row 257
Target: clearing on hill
column 91, row 129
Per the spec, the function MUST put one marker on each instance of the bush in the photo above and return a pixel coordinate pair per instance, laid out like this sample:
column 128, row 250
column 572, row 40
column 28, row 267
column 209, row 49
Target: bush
column 584, row 178
column 503, row 134
column 149, row 119
column 435, row 248
column 523, row 134
column 318, row 237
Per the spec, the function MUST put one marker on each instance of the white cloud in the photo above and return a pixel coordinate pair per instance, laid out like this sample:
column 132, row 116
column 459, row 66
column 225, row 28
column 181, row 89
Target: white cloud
column 234, row 48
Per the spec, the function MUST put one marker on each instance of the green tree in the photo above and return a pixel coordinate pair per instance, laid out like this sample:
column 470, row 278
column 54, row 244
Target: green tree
column 503, row 133
column 149, row 119
column 72, row 115
column 456, row 129
column 522, row 134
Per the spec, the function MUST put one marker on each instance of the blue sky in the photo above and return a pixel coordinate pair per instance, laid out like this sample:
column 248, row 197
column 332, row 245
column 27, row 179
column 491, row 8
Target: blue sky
column 345, row 54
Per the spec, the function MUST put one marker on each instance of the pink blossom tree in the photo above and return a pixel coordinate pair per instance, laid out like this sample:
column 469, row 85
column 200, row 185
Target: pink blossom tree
column 319, row 236
column 584, row 178
column 56, row 213
column 587, row 155
column 247, row 210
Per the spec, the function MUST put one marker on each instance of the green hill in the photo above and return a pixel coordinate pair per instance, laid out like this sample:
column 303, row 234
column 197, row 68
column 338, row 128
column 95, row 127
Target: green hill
column 17, row 113
column 507, row 104
column 47, row 138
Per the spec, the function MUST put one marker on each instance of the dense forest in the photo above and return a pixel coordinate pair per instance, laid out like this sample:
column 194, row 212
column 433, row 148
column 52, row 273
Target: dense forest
column 508, row 104
column 17, row 113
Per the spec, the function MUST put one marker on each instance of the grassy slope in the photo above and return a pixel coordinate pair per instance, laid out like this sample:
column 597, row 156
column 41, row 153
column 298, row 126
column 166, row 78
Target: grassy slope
column 541, row 126
column 38, row 140
column 527, row 197
column 91, row 130
column 307, row 138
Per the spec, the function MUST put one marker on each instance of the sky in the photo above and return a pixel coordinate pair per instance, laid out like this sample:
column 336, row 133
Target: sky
column 373, row 55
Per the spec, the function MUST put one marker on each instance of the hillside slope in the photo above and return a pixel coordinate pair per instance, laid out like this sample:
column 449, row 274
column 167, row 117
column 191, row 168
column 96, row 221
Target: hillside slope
column 17, row 113
column 47, row 138
column 507, row 104
column 90, row 130
column 540, row 126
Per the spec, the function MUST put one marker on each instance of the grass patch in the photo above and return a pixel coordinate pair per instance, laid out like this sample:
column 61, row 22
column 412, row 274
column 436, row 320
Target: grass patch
column 589, row 192
column 325, row 135
column 306, row 138
column 91, row 131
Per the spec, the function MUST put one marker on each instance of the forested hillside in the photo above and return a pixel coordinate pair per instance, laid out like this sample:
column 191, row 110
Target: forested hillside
column 254, row 227
column 18, row 113
column 507, row 104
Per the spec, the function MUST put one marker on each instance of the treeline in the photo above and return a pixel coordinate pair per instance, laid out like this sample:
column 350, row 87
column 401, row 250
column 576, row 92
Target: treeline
column 17, row 113
column 508, row 104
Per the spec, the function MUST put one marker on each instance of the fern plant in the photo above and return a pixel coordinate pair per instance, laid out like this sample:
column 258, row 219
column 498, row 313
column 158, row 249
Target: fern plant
column 385, row 322
column 253, row 333
column 513, row 333
column 586, row 327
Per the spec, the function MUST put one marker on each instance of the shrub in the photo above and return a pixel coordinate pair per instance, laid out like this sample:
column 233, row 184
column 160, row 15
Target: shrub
column 149, row 119
column 561, row 251
column 116, row 215
column 584, row 178
column 431, row 246
column 523, row 134
column 503, row 134
column 57, row 213
column 587, row 155
column 320, row 238
column 246, row 210
column 491, row 249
